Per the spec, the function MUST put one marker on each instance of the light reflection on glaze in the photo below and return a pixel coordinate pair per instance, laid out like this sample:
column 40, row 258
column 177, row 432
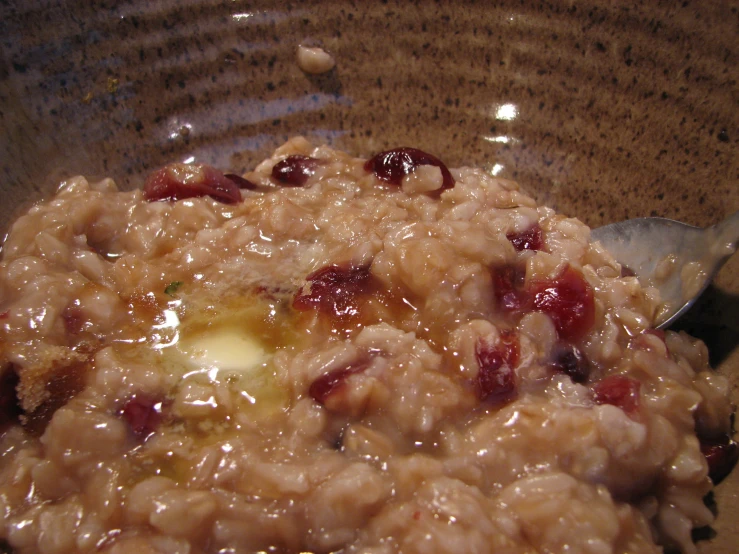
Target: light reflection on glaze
column 249, row 398
column 210, row 402
column 260, row 111
column 496, row 169
column 261, row 250
column 171, row 321
column 511, row 421
column 409, row 304
column 264, row 237
column 36, row 320
column 241, row 17
column 178, row 130
column 501, row 139
column 506, row 112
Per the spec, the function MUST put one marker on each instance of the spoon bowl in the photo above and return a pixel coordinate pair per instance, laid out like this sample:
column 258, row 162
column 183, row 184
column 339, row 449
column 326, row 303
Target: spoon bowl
column 680, row 260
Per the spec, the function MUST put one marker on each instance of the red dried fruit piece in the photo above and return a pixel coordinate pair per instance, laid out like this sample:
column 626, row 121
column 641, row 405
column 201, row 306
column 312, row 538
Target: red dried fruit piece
column 568, row 300
column 626, row 271
column 722, row 454
column 240, row 182
column 619, row 391
column 496, row 379
column 333, row 290
column 508, row 288
column 10, row 408
column 294, row 170
column 530, row 239
column 5, row 314
column 643, row 342
column 511, row 346
column 74, row 322
column 66, row 382
column 568, row 359
column 392, row 165
column 333, row 381
column 657, row 333
column 143, row 413
column 328, row 383
column 180, row 181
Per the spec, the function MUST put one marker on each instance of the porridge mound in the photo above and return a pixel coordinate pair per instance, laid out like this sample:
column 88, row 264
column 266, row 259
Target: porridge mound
column 331, row 354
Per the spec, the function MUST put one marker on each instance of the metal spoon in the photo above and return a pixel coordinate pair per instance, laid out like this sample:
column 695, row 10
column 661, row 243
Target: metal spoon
column 679, row 259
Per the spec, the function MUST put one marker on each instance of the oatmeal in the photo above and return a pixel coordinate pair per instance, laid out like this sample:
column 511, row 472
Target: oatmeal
column 314, row 60
column 335, row 354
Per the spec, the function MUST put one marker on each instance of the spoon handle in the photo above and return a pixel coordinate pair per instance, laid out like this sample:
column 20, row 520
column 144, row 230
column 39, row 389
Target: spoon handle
column 728, row 231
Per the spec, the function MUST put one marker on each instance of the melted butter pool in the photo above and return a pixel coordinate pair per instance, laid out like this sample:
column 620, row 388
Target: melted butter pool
column 231, row 342
column 223, row 342
column 224, row 349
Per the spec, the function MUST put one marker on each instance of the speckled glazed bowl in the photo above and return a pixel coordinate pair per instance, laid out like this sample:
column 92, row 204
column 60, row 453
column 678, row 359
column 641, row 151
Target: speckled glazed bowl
column 605, row 110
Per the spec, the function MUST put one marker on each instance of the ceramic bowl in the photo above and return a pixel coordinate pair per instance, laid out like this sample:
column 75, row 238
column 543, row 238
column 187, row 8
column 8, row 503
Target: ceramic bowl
column 605, row 110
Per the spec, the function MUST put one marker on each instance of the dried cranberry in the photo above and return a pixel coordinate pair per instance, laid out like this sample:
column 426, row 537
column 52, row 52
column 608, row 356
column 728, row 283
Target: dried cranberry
column 5, row 314
column 619, row 391
column 508, row 284
column 642, row 341
column 240, row 181
column 74, row 321
column 721, row 454
column 64, row 384
column 659, row 333
column 143, row 413
column 392, row 165
column 626, row 271
column 568, row 300
column 333, row 381
column 9, row 406
column 568, row 359
column 326, row 384
column 294, row 170
column 180, row 181
column 496, row 379
column 333, row 290
column 530, row 239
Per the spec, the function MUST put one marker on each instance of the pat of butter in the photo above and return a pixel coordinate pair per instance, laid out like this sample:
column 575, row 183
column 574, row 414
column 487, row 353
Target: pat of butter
column 225, row 350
